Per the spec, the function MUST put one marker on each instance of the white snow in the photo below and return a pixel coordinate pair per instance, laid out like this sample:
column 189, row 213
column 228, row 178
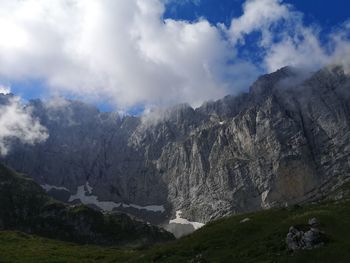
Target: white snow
column 221, row 122
column 83, row 190
column 183, row 221
column 153, row 208
column 48, row 187
column 92, row 199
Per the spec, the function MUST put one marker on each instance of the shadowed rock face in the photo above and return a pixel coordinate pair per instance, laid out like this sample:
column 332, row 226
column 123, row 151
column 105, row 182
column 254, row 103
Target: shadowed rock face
column 285, row 141
column 24, row 206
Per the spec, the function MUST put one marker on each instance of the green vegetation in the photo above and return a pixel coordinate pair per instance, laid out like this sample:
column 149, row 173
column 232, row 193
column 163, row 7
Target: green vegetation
column 261, row 239
column 25, row 207
column 23, row 248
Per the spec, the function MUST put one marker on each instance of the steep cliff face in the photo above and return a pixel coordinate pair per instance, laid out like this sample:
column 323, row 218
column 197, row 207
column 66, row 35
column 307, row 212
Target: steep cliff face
column 285, row 141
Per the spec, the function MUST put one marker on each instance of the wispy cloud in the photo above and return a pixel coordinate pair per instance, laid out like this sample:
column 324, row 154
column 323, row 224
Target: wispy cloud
column 16, row 122
column 285, row 40
column 258, row 15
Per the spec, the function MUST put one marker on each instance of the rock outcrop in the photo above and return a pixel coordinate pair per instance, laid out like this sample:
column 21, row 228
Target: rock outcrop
column 286, row 141
column 310, row 238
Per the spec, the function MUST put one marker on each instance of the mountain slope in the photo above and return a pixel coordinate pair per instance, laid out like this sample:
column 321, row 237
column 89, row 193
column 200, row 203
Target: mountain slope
column 34, row 249
column 286, row 141
column 262, row 238
column 24, row 206
column 259, row 239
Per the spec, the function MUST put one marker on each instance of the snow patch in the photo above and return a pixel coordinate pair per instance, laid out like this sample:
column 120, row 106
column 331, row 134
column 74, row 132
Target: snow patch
column 92, row 199
column 153, row 208
column 183, row 221
column 48, row 187
column 84, row 194
column 221, row 122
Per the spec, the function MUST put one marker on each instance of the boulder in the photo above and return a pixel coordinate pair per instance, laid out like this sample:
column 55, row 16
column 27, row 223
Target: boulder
column 312, row 238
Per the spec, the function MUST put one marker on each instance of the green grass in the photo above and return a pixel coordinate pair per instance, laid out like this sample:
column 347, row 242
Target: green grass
column 19, row 247
column 25, row 206
column 262, row 239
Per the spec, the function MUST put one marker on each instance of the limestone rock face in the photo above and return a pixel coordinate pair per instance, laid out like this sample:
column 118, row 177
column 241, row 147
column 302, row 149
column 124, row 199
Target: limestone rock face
column 286, row 141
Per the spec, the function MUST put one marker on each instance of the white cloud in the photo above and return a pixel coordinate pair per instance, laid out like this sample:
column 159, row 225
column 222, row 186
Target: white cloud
column 304, row 50
column 341, row 47
column 117, row 50
column 5, row 89
column 16, row 122
column 258, row 15
column 285, row 40
column 124, row 52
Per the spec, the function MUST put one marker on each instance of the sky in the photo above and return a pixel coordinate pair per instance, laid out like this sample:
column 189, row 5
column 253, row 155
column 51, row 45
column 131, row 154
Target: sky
column 324, row 12
column 135, row 55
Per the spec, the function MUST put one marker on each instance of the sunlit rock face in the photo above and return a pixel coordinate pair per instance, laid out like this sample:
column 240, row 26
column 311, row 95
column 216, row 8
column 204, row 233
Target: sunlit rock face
column 286, row 141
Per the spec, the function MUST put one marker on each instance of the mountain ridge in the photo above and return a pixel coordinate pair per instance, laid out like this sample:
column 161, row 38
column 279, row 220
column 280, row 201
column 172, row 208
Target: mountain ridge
column 286, row 141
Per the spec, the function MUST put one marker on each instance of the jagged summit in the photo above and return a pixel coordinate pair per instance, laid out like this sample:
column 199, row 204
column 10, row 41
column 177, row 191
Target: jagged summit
column 285, row 141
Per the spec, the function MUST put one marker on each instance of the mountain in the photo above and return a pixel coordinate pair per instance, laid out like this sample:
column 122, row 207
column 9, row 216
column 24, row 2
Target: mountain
column 261, row 237
column 24, row 206
column 284, row 142
column 253, row 237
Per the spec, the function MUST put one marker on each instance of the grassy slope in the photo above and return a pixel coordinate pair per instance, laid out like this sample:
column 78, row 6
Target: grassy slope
column 227, row 240
column 262, row 239
column 26, row 207
column 19, row 247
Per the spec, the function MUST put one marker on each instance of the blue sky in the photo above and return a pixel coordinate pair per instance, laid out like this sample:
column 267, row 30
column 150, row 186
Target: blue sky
column 327, row 13
column 121, row 55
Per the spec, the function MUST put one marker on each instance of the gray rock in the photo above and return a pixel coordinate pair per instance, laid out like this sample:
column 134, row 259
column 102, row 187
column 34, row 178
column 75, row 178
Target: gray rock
column 294, row 239
column 312, row 238
column 277, row 145
column 313, row 222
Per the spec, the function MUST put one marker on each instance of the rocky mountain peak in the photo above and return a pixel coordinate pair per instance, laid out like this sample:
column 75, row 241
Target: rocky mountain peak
column 267, row 83
column 285, row 141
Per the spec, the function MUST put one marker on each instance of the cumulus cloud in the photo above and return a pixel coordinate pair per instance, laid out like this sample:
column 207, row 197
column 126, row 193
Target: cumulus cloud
column 258, row 15
column 124, row 52
column 16, row 122
column 286, row 40
column 118, row 50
